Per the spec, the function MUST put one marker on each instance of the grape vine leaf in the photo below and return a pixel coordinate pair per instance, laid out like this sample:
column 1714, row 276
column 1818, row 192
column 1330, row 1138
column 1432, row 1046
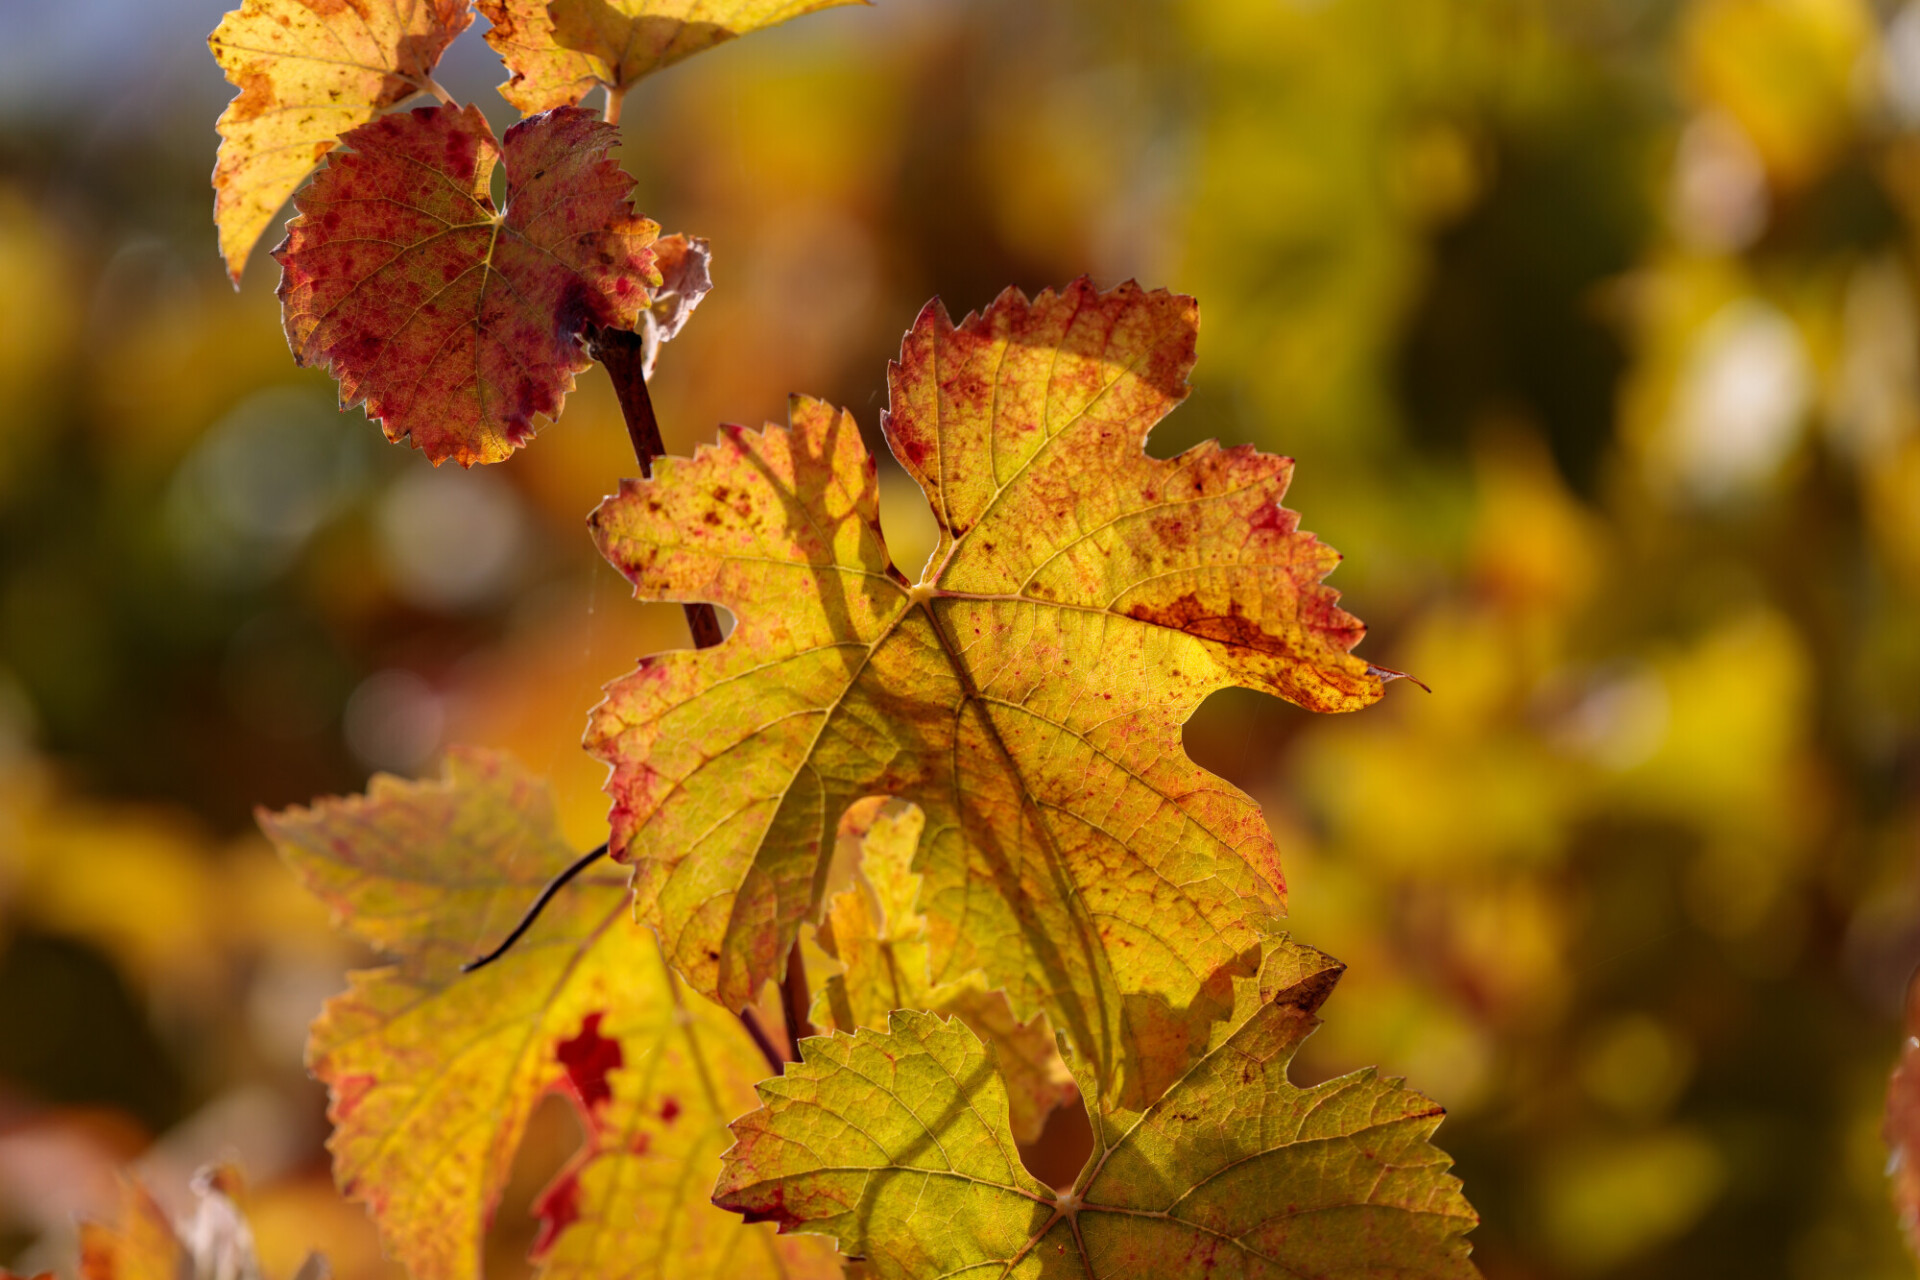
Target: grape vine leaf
column 307, row 72
column 454, row 323
column 880, row 940
column 432, row 1075
column 558, row 50
column 1233, row 1170
column 1027, row 694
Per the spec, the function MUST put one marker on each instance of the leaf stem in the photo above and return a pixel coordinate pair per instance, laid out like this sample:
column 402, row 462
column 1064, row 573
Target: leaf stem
column 554, row 886
column 428, row 84
column 615, row 97
column 625, row 358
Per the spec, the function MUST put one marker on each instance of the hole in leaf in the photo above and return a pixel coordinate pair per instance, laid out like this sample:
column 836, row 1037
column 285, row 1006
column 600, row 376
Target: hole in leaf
column 1239, row 735
column 1061, row 1151
column 905, row 519
column 553, row 1135
column 1208, row 413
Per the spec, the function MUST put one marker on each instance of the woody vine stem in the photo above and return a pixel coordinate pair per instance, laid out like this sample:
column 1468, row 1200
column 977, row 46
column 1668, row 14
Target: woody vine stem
column 623, row 353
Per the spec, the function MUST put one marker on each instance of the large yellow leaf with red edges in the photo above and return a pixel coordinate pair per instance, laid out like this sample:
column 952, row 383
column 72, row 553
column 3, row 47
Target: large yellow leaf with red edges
column 1027, row 693
column 308, row 71
column 875, row 932
column 1233, row 1170
column 432, row 1074
column 558, row 50
column 455, row 323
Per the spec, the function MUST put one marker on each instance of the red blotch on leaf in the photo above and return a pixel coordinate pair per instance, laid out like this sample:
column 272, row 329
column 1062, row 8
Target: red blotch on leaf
column 588, row 1057
column 669, row 1110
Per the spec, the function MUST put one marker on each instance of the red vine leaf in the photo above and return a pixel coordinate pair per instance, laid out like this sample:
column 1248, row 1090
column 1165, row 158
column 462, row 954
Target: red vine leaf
column 457, row 324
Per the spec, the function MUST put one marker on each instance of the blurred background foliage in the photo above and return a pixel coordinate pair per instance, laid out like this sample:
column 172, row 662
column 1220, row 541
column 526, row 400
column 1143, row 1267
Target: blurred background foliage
column 1592, row 325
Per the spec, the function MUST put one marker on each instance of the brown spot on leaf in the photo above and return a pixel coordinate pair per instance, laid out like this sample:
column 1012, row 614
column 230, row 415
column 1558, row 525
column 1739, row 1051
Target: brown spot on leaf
column 1232, row 627
column 256, row 97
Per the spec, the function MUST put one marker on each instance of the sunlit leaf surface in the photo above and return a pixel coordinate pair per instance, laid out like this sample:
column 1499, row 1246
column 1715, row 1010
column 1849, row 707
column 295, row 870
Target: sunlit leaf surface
column 309, row 71
column 558, row 50
column 1233, row 1171
column 1028, row 694
column 876, row 933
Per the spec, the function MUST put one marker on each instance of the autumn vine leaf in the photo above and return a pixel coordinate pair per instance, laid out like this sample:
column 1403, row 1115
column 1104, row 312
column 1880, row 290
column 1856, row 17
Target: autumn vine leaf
column 432, row 1075
column 1027, row 693
column 876, row 934
column 458, row 325
column 308, row 71
column 1233, row 1170
column 559, row 50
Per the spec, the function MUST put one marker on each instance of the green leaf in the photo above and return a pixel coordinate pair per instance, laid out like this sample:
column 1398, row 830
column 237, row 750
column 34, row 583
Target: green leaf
column 876, row 933
column 897, row 1144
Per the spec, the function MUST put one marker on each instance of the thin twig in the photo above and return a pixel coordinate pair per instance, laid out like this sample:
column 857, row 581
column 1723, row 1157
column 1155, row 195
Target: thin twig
column 554, row 886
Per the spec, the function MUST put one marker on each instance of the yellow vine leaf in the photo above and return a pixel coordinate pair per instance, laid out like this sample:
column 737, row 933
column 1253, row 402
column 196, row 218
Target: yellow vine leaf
column 1232, row 1171
column 1027, row 693
column 558, row 50
column 432, row 1074
column 307, row 72
column 877, row 934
